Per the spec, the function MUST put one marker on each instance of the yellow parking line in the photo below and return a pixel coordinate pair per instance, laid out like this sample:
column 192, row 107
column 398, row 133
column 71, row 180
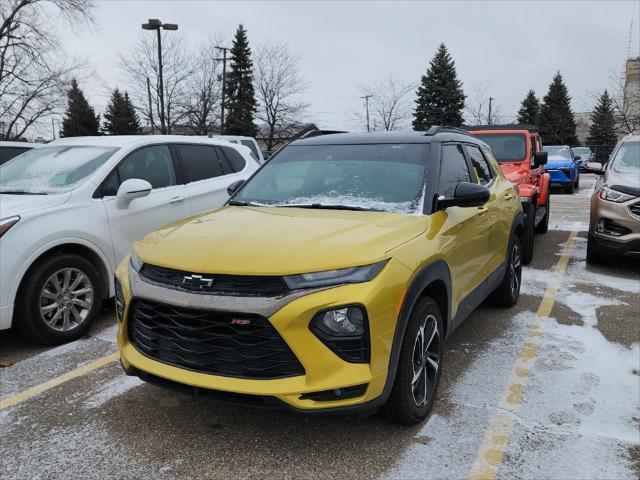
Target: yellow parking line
column 499, row 431
column 54, row 382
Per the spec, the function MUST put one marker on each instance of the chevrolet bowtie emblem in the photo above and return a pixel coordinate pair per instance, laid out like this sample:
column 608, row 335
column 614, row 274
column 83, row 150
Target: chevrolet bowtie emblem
column 197, row 281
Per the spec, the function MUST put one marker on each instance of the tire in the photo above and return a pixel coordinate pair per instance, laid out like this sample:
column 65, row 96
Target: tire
column 543, row 226
column 410, row 403
column 70, row 313
column 569, row 188
column 576, row 184
column 507, row 293
column 529, row 233
column 594, row 253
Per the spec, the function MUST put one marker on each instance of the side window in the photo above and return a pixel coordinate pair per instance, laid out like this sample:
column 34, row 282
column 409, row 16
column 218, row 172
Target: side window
column 236, row 160
column 153, row 164
column 199, row 162
column 480, row 165
column 453, row 170
column 252, row 147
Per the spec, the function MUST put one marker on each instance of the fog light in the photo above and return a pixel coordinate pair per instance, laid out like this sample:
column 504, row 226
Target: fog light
column 348, row 321
column 336, row 394
column 120, row 303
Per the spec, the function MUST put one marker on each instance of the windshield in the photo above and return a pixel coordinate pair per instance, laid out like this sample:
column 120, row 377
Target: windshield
column 54, row 169
column 627, row 159
column 506, row 147
column 563, row 152
column 581, row 150
column 383, row 177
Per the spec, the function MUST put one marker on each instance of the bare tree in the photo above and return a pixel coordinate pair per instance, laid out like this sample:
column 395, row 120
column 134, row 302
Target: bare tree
column 389, row 105
column 477, row 107
column 141, row 63
column 34, row 73
column 626, row 102
column 278, row 84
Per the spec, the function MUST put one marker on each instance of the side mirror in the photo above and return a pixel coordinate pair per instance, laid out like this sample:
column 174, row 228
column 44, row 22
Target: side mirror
column 577, row 157
column 235, row 186
column 540, row 158
column 594, row 167
column 130, row 190
column 466, row 195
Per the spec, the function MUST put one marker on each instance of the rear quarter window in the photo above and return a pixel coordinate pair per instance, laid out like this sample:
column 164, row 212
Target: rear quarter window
column 236, row 160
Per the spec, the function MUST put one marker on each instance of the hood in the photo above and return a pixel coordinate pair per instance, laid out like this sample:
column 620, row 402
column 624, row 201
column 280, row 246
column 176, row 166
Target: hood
column 628, row 179
column 514, row 171
column 277, row 241
column 11, row 205
column 558, row 162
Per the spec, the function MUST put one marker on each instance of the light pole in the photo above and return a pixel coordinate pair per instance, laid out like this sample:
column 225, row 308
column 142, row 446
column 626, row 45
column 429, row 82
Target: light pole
column 224, row 83
column 155, row 24
column 366, row 100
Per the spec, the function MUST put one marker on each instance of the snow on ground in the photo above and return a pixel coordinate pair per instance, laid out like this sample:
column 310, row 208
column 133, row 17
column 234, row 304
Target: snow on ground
column 113, row 388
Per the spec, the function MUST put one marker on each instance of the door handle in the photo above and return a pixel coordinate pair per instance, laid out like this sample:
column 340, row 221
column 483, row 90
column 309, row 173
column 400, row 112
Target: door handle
column 177, row 199
column 482, row 210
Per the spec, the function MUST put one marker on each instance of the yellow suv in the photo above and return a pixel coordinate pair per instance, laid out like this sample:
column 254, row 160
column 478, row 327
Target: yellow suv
column 330, row 280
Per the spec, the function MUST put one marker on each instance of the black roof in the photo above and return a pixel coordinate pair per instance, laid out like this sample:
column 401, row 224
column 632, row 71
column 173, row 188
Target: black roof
column 434, row 133
column 506, row 126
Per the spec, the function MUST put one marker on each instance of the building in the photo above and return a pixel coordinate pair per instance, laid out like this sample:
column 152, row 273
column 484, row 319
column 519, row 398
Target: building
column 631, row 92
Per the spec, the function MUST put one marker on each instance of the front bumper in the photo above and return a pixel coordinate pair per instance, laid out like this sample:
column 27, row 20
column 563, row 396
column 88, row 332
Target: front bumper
column 561, row 176
column 10, row 262
column 620, row 213
column 324, row 370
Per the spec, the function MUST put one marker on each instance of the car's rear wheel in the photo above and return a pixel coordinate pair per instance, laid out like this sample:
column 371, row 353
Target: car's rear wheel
column 543, row 226
column 59, row 300
column 569, row 188
column 529, row 232
column 508, row 292
column 419, row 366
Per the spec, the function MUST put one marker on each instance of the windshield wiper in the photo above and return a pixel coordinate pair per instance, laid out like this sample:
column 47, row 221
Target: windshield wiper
column 22, row 192
column 242, row 203
column 329, row 207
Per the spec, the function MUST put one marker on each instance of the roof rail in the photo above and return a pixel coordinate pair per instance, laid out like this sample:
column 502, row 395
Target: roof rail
column 317, row 133
column 443, row 128
column 505, row 126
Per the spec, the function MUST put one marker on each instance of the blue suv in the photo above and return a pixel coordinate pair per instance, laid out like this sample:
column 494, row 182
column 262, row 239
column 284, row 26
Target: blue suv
column 563, row 166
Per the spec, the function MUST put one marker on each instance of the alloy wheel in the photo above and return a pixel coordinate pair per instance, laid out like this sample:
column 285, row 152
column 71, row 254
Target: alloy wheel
column 66, row 299
column 426, row 360
column 515, row 269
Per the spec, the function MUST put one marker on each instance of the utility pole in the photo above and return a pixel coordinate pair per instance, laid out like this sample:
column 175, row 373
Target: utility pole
column 366, row 101
column 224, row 83
column 153, row 130
column 491, row 99
column 53, row 128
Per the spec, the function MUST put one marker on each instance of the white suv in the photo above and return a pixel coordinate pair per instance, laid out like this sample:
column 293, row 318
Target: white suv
column 70, row 211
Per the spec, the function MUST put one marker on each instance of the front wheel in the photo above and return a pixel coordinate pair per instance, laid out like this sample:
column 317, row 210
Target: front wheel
column 419, row 366
column 577, row 182
column 569, row 188
column 59, row 300
column 529, row 232
column 508, row 292
column 594, row 254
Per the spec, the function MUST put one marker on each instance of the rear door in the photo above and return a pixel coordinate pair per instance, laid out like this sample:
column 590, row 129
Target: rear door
column 165, row 204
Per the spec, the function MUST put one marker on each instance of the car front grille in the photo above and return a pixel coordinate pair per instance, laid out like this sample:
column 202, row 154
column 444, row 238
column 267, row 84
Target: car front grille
column 635, row 209
column 242, row 285
column 218, row 343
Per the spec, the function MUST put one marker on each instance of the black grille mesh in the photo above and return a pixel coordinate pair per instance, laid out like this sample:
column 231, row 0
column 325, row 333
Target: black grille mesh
column 207, row 341
column 258, row 285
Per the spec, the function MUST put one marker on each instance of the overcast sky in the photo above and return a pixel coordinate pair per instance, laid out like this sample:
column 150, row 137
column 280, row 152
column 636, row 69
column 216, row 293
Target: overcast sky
column 510, row 46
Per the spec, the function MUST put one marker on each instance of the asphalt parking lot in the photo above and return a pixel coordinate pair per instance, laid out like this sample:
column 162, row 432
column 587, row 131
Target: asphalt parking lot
column 548, row 389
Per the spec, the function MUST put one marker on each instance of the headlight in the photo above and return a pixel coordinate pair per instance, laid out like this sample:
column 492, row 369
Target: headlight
column 334, row 277
column 7, row 223
column 345, row 330
column 135, row 262
column 341, row 322
column 612, row 195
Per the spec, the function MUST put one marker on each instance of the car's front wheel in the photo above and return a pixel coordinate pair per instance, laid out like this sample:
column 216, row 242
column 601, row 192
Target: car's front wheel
column 529, row 232
column 419, row 366
column 59, row 300
column 594, row 254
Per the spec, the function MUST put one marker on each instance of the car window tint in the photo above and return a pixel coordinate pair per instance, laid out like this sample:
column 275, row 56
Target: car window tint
column 236, row 160
column 252, row 147
column 480, row 165
column 200, row 162
column 453, row 170
column 153, row 164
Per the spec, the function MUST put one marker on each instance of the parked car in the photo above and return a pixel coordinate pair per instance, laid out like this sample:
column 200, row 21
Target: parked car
column 614, row 226
column 563, row 166
column 8, row 150
column 518, row 149
column 267, row 153
column 70, row 211
column 331, row 279
column 585, row 154
column 248, row 142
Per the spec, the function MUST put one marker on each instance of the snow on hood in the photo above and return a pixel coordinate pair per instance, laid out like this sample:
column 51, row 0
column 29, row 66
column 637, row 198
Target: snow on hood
column 11, row 205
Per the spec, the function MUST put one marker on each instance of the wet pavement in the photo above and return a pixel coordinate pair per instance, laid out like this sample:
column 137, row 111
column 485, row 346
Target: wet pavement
column 577, row 415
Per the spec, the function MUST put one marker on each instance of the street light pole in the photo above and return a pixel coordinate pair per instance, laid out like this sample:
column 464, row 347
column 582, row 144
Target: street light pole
column 224, row 84
column 155, row 24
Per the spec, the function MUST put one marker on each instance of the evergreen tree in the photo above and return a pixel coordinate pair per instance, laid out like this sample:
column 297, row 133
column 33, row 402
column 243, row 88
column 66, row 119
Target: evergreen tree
column 440, row 96
column 240, row 102
column 529, row 109
column 80, row 119
column 121, row 118
column 555, row 120
column 602, row 132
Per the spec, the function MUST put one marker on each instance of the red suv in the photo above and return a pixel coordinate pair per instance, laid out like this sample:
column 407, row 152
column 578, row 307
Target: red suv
column 518, row 149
